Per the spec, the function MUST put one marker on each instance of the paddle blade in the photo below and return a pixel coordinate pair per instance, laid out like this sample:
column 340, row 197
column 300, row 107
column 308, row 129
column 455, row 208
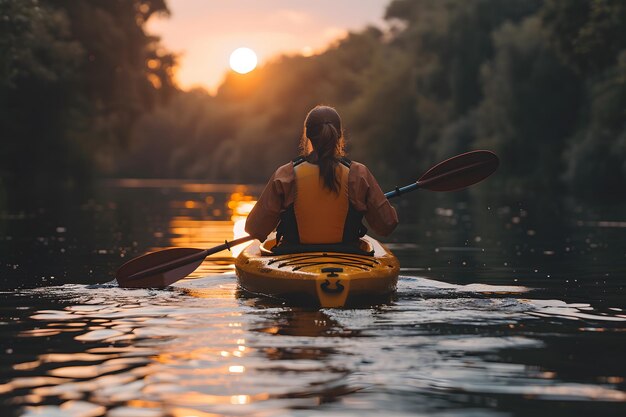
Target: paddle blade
column 159, row 269
column 460, row 171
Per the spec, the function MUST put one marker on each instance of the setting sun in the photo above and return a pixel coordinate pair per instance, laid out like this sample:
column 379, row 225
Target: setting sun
column 243, row 60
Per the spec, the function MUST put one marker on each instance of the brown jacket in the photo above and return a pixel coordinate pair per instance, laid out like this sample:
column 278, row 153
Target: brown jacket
column 363, row 191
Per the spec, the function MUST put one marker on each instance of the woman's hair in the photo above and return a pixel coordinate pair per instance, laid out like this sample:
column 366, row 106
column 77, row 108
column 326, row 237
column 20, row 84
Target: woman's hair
column 323, row 134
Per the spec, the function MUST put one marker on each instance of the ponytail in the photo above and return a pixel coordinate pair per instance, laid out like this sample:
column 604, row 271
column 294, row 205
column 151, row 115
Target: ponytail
column 322, row 130
column 327, row 156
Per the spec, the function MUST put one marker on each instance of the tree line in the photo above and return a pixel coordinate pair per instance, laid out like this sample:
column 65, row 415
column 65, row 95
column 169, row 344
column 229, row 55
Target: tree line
column 540, row 82
column 75, row 77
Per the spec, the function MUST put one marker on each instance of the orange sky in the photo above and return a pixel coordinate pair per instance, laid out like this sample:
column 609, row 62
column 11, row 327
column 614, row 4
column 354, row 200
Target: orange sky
column 205, row 32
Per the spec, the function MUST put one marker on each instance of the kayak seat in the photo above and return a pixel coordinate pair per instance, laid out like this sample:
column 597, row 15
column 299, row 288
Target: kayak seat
column 363, row 247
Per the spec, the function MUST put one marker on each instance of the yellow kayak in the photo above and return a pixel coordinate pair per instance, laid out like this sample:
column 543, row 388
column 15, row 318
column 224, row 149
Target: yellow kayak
column 322, row 278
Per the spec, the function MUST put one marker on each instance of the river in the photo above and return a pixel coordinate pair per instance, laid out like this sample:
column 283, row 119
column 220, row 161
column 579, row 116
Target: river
column 505, row 307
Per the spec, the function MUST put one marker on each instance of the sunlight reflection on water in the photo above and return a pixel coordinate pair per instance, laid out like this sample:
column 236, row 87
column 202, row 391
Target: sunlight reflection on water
column 192, row 230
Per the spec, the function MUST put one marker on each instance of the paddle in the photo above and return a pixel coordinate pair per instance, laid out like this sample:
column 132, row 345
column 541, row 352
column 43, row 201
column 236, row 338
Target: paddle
column 455, row 173
column 162, row 268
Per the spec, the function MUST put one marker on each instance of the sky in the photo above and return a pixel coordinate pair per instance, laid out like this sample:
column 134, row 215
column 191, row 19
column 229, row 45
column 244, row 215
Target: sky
column 205, row 32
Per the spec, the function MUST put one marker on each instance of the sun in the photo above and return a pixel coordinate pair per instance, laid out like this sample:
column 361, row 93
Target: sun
column 243, row 60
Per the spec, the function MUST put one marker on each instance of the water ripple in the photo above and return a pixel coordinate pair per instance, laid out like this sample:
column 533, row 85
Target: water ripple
column 201, row 348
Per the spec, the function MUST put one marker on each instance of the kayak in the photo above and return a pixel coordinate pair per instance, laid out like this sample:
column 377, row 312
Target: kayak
column 326, row 278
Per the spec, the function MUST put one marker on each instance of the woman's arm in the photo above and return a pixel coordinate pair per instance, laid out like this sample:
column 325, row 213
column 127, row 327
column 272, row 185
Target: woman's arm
column 370, row 199
column 265, row 214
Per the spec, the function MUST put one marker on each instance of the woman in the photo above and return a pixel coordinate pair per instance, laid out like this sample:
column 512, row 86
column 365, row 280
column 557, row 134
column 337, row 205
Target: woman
column 321, row 196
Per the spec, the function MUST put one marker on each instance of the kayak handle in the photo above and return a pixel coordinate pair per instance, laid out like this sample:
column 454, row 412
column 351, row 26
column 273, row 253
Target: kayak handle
column 332, row 271
column 326, row 287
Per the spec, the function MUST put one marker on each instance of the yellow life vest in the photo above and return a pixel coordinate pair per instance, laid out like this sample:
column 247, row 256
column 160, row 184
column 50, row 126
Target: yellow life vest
column 320, row 213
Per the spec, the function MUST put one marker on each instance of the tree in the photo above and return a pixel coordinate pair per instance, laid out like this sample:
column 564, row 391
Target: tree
column 531, row 101
column 590, row 38
column 75, row 76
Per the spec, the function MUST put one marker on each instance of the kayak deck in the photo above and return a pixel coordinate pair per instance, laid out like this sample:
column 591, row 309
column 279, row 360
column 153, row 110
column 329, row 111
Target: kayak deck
column 325, row 279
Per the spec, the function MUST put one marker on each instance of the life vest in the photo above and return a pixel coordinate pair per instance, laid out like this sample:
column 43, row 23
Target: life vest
column 318, row 215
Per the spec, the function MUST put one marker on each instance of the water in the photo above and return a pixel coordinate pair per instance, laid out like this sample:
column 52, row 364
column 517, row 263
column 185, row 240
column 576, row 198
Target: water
column 504, row 307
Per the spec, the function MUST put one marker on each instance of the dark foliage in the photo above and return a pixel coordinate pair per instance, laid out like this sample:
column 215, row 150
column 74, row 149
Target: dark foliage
column 75, row 76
